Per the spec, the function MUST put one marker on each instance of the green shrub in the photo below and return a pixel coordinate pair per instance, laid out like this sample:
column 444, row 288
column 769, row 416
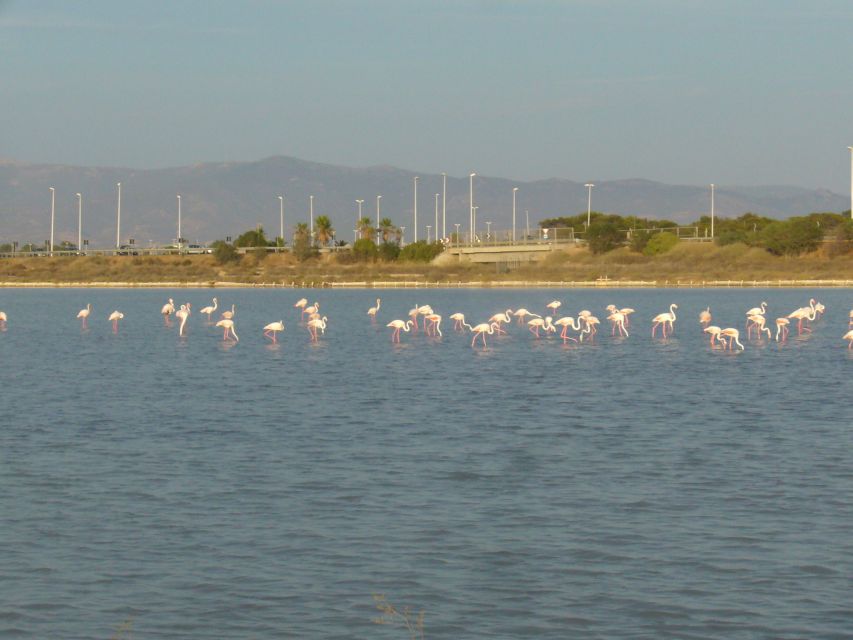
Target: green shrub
column 639, row 240
column 791, row 237
column 389, row 251
column 421, row 251
column 224, row 252
column 364, row 250
column 660, row 243
column 603, row 236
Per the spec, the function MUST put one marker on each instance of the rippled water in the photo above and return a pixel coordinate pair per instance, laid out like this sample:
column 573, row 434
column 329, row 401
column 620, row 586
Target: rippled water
column 632, row 488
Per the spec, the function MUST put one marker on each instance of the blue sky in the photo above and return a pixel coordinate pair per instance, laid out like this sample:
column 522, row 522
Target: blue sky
column 680, row 91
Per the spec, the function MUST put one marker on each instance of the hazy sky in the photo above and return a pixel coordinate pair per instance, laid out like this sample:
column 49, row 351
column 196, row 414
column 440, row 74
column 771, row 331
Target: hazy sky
column 679, row 91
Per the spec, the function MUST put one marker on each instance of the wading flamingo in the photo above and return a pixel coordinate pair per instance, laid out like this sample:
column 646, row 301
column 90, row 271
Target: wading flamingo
column 432, row 324
column 315, row 325
column 617, row 320
column 458, row 320
column 373, row 310
column 399, row 325
column 500, row 319
column 3, row 320
column 591, row 323
column 414, row 312
column 849, row 337
column 715, row 332
column 83, row 314
column 732, row 334
column 665, row 319
column 625, row 311
column 803, row 313
column 851, row 318
column 167, row 310
column 819, row 309
column 115, row 316
column 705, row 317
column 300, row 304
column 210, row 309
column 566, row 322
column 522, row 313
column 272, row 328
column 227, row 327
column 183, row 313
column 314, row 308
column 758, row 311
column 758, row 322
column 553, row 306
column 229, row 315
column 782, row 328
column 481, row 330
column 538, row 323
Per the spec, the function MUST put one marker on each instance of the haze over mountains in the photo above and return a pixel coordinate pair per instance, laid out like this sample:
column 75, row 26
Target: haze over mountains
column 222, row 199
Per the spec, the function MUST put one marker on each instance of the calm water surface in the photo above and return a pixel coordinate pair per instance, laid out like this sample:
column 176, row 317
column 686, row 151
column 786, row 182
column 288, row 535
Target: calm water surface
column 632, row 488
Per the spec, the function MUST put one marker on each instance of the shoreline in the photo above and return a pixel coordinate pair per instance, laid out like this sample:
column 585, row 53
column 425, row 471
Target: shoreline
column 442, row 284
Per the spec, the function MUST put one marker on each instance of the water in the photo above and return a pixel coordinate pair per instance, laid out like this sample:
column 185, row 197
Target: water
column 634, row 488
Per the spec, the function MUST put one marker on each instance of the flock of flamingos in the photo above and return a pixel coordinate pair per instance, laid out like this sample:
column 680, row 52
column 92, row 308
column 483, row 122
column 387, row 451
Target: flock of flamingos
column 584, row 325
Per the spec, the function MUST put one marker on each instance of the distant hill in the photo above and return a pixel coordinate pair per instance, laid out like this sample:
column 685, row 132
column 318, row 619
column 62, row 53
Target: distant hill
column 221, row 199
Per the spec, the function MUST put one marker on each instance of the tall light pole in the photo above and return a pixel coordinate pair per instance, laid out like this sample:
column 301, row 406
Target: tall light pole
column 416, row 207
column 118, row 217
column 429, row 229
column 376, row 233
column 52, row 215
column 358, row 220
column 180, row 242
column 471, row 206
column 281, row 218
column 851, row 182
column 444, row 205
column 475, row 207
column 589, row 187
column 79, row 222
column 712, row 212
column 436, row 216
column 488, row 230
column 527, row 216
column 514, row 193
column 311, row 216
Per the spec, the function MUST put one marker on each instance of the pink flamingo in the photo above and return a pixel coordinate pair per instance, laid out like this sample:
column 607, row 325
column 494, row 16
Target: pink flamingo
column 167, row 310
column 481, row 330
column 782, row 328
column 83, row 314
column 229, row 315
column 732, row 334
column 849, row 337
column 538, row 323
column 399, row 325
column 803, row 313
column 208, row 310
column 374, row 310
column 553, row 306
column 272, row 328
column 3, row 320
column 591, row 323
column 413, row 314
column 458, row 320
column 183, row 313
column 566, row 322
column 625, row 311
column 758, row 322
column 501, row 318
column 432, row 324
column 663, row 319
column 311, row 310
column 522, row 313
column 705, row 317
column 315, row 325
column 227, row 325
column 115, row 316
column 617, row 320
column 850, row 323
column 715, row 332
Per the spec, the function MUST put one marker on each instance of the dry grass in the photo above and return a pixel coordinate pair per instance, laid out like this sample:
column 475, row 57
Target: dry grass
column 686, row 262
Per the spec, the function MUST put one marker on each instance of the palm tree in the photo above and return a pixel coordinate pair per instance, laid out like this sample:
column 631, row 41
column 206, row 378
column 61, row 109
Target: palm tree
column 365, row 229
column 301, row 232
column 324, row 230
column 386, row 229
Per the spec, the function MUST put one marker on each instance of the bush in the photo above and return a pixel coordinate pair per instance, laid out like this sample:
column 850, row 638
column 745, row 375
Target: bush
column 841, row 239
column 660, row 243
column 389, row 251
column 791, row 237
column 224, row 252
column 365, row 250
column 252, row 238
column 603, row 236
column 730, row 236
column 639, row 240
column 421, row 251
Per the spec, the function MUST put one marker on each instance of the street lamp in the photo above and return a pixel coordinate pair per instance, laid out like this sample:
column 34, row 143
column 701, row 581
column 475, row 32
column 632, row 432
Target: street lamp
column 589, row 187
column 488, row 230
column 436, row 215
column 471, row 206
column 712, row 212
column 402, row 236
column 281, row 218
column 416, row 207
column 458, row 252
column 179, row 222
column 514, row 193
column 527, row 216
column 52, row 215
column 79, row 222
column 311, row 216
column 429, row 229
column 118, row 217
column 444, row 205
column 851, row 182
column 376, row 233
column 474, row 208
column 358, row 220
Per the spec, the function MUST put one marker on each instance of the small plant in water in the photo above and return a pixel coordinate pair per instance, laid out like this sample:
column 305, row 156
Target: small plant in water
column 389, row 614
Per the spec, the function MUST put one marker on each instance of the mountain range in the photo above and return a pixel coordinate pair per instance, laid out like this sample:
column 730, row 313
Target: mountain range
column 225, row 199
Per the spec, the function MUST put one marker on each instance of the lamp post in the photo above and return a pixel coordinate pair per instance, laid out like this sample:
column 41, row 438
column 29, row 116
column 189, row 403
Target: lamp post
column 52, row 215
column 514, row 193
column 488, row 230
column 851, row 182
column 118, row 217
column 311, row 216
column 475, row 207
column 402, row 236
column 712, row 212
column 79, row 222
column 458, row 252
column 436, row 215
column 180, row 237
column 444, row 205
column 471, row 207
column 416, row 207
column 589, row 187
column 281, row 218
column 527, row 216
column 358, row 219
column 429, row 229
column 376, row 232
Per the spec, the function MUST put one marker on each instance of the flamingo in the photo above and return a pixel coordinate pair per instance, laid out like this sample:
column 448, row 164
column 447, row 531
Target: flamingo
column 715, row 332
column 553, row 306
column 115, row 316
column 167, row 310
column 849, row 337
column 732, row 334
column 758, row 311
column 314, row 308
column 83, row 314
column 432, row 322
column 300, row 304
column 481, row 330
column 229, row 315
column 591, row 323
column 782, row 328
column 566, row 322
column 458, row 320
column 850, row 323
column 316, row 324
column 373, row 310
column 617, row 319
column 501, row 318
column 665, row 319
column 759, row 323
column 3, row 319
column 272, row 328
column 227, row 325
column 210, row 309
column 183, row 313
column 538, row 323
column 399, row 325
column 803, row 313
column 705, row 317
column 522, row 313
column 819, row 309
column 625, row 311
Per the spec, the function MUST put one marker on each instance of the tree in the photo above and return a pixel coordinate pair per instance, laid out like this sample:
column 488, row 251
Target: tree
column 791, row 237
column 603, row 236
column 389, row 251
column 224, row 252
column 364, row 249
column 365, row 229
column 660, row 243
column 252, row 238
column 323, row 230
column 421, row 251
column 302, row 246
column 386, row 229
